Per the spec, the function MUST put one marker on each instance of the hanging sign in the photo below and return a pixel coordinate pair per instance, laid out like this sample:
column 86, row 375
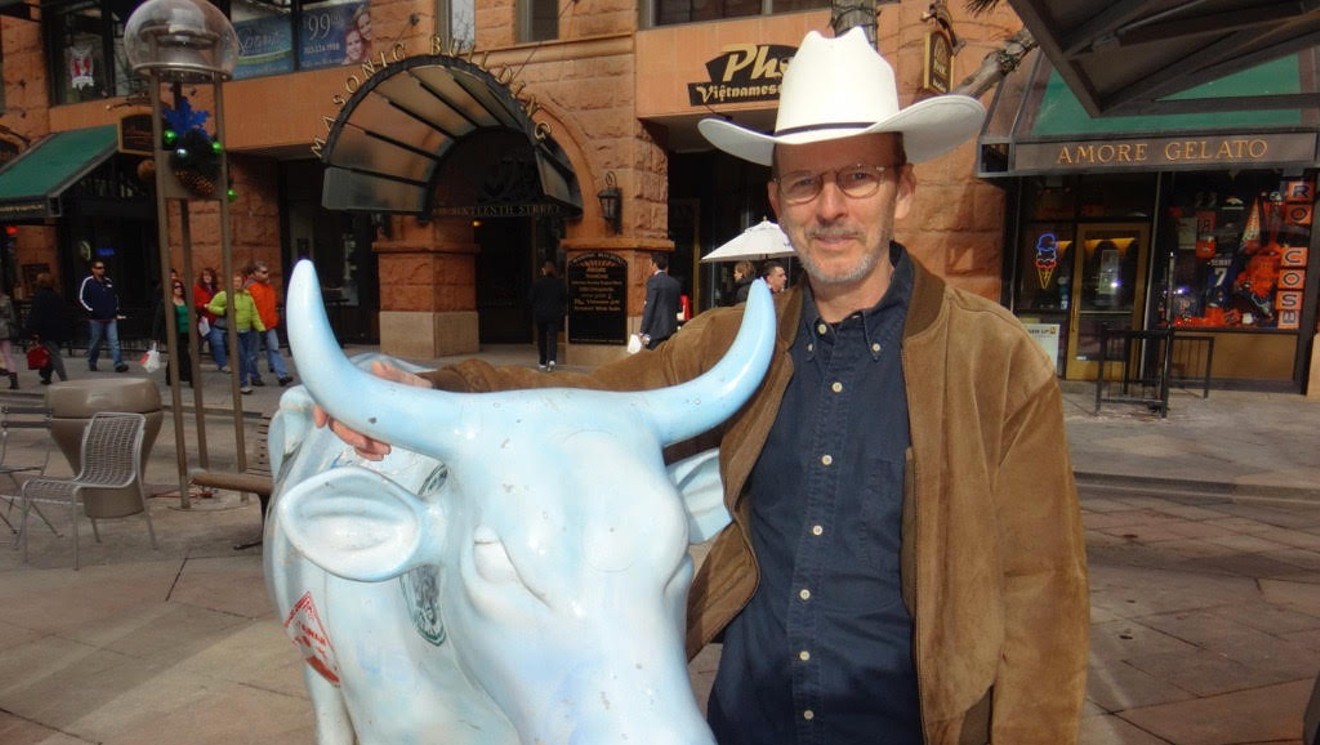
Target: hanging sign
column 937, row 62
column 135, row 135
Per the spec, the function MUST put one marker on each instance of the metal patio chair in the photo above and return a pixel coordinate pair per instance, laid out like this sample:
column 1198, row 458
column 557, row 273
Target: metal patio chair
column 111, row 459
column 14, row 417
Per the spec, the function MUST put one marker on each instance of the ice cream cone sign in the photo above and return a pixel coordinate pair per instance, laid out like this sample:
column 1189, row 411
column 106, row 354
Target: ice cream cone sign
column 1047, row 258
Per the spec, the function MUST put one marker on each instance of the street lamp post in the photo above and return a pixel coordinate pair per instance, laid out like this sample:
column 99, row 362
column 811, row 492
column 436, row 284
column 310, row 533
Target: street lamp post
column 178, row 42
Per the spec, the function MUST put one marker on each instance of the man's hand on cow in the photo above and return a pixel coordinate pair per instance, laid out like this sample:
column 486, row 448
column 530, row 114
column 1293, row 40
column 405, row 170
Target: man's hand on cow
column 365, row 446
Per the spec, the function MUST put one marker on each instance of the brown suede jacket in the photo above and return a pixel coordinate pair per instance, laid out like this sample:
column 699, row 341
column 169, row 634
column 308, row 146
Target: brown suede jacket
column 993, row 559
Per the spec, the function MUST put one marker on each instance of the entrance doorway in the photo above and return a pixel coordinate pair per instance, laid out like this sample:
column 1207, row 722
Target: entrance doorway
column 339, row 244
column 504, row 276
column 1108, row 281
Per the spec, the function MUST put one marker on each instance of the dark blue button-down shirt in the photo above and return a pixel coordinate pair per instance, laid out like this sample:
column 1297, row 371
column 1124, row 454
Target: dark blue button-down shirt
column 823, row 652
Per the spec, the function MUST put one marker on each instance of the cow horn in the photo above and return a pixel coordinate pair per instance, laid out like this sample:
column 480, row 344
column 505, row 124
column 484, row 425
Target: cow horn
column 688, row 409
column 382, row 406
column 373, row 404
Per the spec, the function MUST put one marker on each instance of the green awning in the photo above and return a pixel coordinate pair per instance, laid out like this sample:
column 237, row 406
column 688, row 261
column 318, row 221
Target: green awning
column 1264, row 116
column 1060, row 114
column 31, row 184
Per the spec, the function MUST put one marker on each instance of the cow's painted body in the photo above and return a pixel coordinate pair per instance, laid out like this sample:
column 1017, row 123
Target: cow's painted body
column 515, row 571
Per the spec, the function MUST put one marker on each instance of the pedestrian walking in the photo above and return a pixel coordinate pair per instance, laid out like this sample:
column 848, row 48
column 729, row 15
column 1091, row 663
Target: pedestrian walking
column 247, row 322
column 46, row 325
column 263, row 294
column 548, row 299
column 775, row 276
column 98, row 298
column 174, row 319
column 210, row 328
column 660, row 314
column 744, row 273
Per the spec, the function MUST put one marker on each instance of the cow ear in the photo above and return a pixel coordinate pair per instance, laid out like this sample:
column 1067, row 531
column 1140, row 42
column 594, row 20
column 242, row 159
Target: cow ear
column 698, row 480
column 290, row 426
column 355, row 523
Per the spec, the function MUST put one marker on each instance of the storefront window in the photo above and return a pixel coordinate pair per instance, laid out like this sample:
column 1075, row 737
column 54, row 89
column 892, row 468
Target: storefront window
column 86, row 46
column 461, row 20
column 538, row 20
column 1237, row 247
column 667, row 12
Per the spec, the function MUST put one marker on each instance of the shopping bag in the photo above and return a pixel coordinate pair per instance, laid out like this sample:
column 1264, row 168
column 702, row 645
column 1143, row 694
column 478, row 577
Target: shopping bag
column 151, row 359
column 634, row 343
column 203, row 328
column 38, row 356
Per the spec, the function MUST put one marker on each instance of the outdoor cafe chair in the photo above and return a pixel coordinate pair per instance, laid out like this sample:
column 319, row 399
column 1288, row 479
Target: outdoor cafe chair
column 111, row 459
column 13, row 418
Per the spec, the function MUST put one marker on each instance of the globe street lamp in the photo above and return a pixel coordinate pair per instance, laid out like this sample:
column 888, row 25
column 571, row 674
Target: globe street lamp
column 177, row 42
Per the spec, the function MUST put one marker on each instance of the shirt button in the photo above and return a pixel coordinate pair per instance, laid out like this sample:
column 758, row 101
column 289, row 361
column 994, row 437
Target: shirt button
column 837, row 387
column 817, row 530
column 821, row 328
column 804, row 655
column 826, row 459
column 875, row 347
column 805, row 594
column 808, row 715
column 811, row 347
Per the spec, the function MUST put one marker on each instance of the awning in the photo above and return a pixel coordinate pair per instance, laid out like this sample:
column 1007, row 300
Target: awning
column 1037, row 125
column 1127, row 56
column 31, row 185
column 18, row 9
column 388, row 148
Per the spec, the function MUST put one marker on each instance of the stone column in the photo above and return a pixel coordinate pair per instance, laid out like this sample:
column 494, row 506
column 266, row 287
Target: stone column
column 428, row 304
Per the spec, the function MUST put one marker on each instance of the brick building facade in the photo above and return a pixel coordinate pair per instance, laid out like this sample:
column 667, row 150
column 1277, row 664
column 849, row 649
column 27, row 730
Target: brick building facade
column 610, row 88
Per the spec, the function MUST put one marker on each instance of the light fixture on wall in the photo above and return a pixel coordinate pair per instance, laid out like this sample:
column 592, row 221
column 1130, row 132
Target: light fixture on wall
column 611, row 203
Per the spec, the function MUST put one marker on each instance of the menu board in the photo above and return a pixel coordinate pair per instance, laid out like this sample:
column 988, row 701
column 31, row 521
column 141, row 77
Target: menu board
column 598, row 299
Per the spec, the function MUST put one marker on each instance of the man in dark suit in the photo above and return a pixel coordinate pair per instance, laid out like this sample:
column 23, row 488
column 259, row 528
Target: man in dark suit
column 660, row 316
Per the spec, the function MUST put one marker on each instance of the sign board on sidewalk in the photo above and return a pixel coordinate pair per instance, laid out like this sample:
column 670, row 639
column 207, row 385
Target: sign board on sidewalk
column 1047, row 336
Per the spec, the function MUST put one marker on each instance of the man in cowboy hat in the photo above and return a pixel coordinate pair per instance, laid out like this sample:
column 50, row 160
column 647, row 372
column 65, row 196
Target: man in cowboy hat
column 906, row 562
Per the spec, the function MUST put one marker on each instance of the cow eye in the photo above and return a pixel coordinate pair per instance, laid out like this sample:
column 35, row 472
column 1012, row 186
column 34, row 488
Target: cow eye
column 492, row 560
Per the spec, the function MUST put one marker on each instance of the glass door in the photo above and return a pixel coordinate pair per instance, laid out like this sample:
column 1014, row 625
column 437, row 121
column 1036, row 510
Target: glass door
column 1108, row 289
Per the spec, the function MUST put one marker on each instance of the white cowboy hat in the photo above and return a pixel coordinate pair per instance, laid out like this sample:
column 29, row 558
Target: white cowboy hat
column 842, row 87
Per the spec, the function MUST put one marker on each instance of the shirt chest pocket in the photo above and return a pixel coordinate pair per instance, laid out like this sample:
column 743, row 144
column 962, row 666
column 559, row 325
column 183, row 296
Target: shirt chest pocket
column 870, row 518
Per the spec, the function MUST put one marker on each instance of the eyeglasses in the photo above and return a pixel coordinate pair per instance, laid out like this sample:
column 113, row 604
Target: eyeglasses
column 99, row 266
column 857, row 181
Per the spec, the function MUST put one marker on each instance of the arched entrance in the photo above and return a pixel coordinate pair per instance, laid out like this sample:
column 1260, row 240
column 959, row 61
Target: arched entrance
column 491, row 179
column 442, row 139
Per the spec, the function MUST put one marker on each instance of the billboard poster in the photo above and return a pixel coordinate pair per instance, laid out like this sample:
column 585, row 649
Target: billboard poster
column 265, row 46
column 333, row 34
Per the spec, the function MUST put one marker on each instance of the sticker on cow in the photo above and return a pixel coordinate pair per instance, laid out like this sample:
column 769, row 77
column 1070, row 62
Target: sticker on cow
column 544, row 526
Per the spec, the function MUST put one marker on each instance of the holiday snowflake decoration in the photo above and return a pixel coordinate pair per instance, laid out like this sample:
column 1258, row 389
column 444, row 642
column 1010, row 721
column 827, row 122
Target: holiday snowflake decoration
column 194, row 155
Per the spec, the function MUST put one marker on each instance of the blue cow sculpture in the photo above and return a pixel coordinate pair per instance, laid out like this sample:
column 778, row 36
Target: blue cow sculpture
column 516, row 570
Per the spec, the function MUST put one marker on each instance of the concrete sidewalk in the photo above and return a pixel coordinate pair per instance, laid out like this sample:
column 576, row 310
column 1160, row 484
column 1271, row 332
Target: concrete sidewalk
column 1203, row 531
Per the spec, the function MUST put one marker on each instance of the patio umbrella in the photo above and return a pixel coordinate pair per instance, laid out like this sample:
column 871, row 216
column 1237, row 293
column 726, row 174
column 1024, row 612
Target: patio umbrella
column 763, row 240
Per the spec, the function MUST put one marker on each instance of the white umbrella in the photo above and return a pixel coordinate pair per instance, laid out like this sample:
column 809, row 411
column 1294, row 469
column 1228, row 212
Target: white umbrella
column 763, row 240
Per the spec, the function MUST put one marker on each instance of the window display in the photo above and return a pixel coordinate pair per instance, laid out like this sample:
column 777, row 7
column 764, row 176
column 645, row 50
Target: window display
column 1239, row 250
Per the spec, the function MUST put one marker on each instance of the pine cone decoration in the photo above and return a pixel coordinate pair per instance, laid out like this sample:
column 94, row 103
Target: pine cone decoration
column 195, row 182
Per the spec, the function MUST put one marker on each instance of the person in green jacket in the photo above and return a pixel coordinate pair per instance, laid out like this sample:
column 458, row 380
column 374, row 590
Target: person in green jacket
column 247, row 322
